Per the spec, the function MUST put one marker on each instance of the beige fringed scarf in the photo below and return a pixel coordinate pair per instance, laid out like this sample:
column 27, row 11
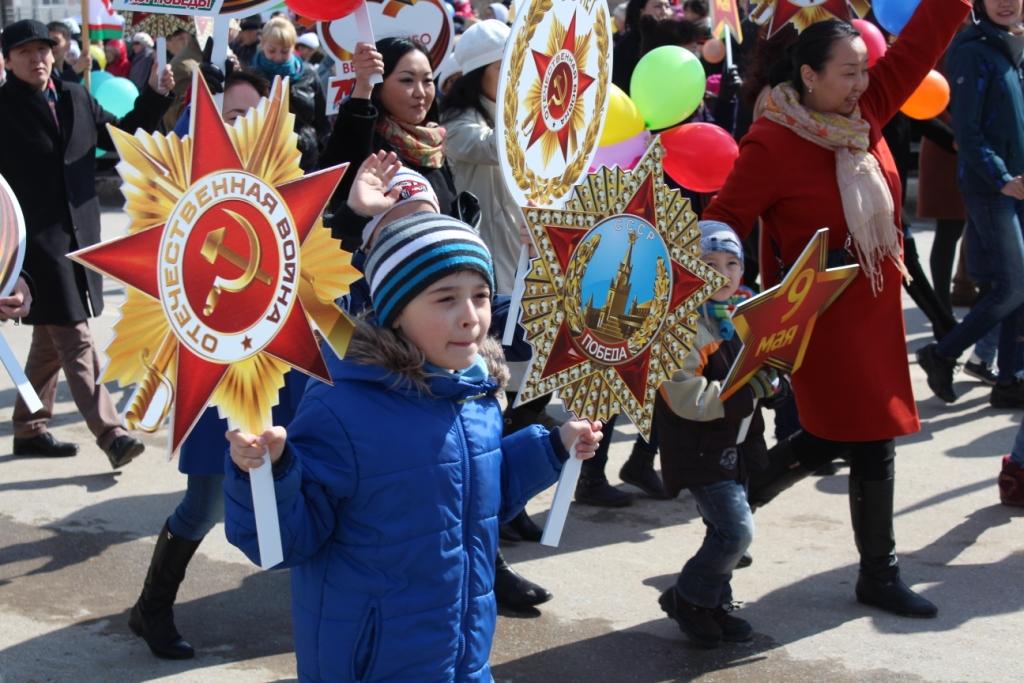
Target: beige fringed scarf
column 867, row 201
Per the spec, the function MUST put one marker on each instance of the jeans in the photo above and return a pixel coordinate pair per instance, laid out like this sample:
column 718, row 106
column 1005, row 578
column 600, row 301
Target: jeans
column 987, row 346
column 200, row 509
column 995, row 256
column 705, row 579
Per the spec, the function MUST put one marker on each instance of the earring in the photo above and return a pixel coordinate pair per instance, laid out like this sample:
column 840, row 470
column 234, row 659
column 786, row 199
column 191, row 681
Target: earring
column 810, row 90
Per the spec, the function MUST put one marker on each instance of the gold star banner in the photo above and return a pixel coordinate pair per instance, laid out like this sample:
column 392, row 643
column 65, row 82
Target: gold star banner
column 802, row 13
column 610, row 304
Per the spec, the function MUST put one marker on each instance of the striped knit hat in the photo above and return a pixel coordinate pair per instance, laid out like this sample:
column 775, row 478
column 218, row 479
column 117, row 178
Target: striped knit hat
column 416, row 251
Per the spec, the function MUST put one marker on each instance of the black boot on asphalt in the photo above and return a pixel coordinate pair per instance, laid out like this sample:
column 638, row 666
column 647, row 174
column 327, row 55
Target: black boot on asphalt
column 595, row 490
column 1008, row 396
column 879, row 583
column 152, row 617
column 699, row 624
column 734, row 629
column 939, row 371
column 639, row 471
column 512, row 590
column 123, row 450
column 521, row 528
column 44, row 446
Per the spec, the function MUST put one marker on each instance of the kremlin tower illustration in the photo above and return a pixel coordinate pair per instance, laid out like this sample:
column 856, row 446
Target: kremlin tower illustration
column 619, row 317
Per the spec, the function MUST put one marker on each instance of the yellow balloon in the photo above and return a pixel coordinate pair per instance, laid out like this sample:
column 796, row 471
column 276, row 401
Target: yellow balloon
column 98, row 55
column 623, row 121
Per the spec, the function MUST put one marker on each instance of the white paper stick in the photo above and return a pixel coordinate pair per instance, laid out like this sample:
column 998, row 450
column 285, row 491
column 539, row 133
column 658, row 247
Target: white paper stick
column 518, row 289
column 264, row 506
column 728, row 47
column 745, row 426
column 161, row 55
column 563, row 496
column 365, row 30
column 28, row 393
column 220, row 50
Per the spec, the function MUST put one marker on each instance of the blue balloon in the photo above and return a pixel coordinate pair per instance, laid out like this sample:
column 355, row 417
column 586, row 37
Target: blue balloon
column 98, row 78
column 117, row 96
column 893, row 15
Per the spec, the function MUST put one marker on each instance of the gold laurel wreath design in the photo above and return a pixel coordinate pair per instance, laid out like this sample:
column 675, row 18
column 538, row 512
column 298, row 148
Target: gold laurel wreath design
column 538, row 189
column 574, row 282
column 659, row 308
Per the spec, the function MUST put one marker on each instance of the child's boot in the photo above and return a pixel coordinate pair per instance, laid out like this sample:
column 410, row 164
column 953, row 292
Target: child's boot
column 1011, row 483
column 512, row 590
column 152, row 617
column 699, row 624
column 879, row 583
column 734, row 629
column 639, row 470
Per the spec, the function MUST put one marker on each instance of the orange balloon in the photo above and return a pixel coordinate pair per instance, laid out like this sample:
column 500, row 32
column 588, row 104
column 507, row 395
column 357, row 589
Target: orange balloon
column 930, row 99
column 713, row 51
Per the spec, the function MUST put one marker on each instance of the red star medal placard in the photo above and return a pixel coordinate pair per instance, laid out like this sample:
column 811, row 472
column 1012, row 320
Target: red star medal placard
column 222, row 260
column 610, row 303
column 803, row 13
column 776, row 326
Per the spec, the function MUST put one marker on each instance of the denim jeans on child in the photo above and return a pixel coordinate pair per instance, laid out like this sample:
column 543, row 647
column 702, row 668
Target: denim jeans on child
column 995, row 256
column 201, row 508
column 705, row 578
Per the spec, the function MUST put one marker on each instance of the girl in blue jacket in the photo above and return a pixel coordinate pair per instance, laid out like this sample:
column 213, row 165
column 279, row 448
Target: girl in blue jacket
column 392, row 482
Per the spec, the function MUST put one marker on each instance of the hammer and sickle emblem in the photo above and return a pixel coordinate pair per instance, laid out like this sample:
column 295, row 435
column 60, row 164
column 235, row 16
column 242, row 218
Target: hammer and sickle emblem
column 561, row 91
column 214, row 248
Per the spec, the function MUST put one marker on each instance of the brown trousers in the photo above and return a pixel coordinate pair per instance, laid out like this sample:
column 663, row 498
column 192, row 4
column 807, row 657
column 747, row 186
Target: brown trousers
column 69, row 348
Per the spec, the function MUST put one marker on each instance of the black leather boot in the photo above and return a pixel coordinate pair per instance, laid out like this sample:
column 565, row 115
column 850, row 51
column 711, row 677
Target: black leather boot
column 879, row 583
column 639, row 470
column 512, row 590
column 521, row 528
column 594, row 489
column 152, row 617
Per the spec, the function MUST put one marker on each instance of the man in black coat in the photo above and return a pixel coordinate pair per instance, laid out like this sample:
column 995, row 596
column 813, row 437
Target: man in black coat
column 48, row 134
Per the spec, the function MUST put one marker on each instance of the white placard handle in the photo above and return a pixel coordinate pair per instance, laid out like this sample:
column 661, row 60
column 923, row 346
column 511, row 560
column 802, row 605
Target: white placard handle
column 28, row 393
column 264, row 506
column 365, row 30
column 563, row 497
column 518, row 289
column 161, row 55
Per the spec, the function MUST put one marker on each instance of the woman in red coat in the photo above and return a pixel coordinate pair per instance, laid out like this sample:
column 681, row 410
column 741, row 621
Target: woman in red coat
column 817, row 158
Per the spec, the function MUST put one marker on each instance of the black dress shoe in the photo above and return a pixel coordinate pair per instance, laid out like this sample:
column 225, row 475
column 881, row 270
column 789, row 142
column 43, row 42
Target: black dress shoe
column 513, row 590
column 123, row 450
column 44, row 446
column 598, row 492
column 526, row 528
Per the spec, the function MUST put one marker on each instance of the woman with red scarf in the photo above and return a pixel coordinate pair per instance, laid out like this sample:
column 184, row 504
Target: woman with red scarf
column 817, row 158
column 118, row 63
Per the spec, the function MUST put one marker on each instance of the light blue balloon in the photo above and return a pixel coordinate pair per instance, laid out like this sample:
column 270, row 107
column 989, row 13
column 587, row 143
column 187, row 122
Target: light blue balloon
column 98, row 78
column 117, row 96
column 893, row 15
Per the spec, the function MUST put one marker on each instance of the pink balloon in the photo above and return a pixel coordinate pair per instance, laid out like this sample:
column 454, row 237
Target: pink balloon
column 623, row 154
column 873, row 38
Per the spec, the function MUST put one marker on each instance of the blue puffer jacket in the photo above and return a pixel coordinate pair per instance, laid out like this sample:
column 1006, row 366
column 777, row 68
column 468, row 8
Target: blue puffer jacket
column 987, row 104
column 389, row 504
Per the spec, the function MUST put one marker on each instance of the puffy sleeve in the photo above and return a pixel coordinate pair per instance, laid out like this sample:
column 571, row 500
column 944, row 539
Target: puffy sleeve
column 920, row 45
column 314, row 477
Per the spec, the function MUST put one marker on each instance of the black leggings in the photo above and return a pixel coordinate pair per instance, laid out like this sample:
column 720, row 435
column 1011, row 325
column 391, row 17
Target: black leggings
column 869, row 460
column 943, row 257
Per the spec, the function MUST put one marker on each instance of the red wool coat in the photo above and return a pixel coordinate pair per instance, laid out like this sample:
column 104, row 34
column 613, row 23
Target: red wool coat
column 854, row 384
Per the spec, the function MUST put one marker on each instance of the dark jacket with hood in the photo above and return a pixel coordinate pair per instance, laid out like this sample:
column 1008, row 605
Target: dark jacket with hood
column 697, row 430
column 987, row 104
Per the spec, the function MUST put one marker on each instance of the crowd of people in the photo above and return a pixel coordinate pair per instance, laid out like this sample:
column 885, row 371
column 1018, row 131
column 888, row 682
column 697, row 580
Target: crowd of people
column 383, row 591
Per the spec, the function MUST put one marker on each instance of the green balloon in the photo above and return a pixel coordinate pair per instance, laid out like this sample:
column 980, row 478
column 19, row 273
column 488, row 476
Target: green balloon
column 667, row 86
column 117, row 96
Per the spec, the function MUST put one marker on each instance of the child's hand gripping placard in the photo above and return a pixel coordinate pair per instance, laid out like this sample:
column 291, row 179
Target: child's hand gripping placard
column 776, row 326
column 228, row 268
column 610, row 304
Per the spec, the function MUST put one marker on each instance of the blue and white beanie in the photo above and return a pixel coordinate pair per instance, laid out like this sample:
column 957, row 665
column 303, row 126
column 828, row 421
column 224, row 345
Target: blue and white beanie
column 717, row 236
column 416, row 251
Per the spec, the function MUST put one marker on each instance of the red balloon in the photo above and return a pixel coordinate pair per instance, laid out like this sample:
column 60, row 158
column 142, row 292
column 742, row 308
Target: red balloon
column 873, row 38
column 699, row 156
column 323, row 10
